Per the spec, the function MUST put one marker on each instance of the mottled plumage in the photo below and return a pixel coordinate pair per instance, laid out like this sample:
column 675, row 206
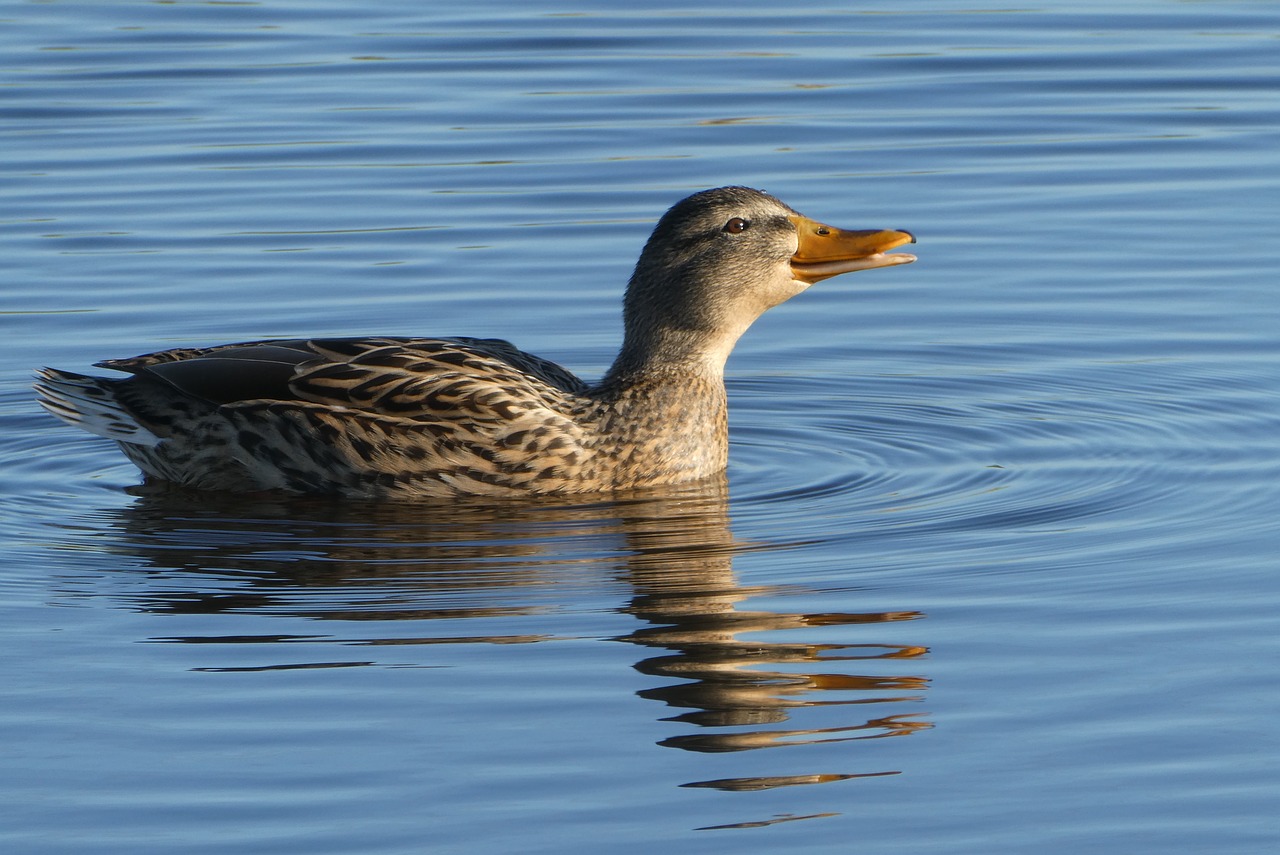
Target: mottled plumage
column 384, row 416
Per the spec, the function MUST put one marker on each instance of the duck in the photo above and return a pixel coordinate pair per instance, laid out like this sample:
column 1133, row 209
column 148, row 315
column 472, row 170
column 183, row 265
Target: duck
column 409, row 417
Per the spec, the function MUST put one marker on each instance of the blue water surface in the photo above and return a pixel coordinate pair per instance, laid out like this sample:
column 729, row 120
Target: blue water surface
column 1016, row 502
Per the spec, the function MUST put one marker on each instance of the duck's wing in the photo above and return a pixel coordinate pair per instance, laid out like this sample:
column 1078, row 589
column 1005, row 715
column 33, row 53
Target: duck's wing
column 404, row 377
column 463, row 380
column 432, row 416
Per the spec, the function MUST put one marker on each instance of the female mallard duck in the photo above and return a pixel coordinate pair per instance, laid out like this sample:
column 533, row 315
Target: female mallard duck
column 375, row 417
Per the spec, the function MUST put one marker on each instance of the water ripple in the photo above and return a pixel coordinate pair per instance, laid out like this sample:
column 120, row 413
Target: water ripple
column 1038, row 466
column 1044, row 446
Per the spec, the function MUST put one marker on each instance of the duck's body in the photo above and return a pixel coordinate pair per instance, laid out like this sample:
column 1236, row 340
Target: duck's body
column 377, row 417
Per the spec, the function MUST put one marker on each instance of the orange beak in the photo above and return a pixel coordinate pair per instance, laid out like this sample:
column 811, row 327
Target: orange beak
column 825, row 251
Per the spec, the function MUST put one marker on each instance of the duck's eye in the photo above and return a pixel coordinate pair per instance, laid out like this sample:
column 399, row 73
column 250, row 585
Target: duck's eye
column 737, row 226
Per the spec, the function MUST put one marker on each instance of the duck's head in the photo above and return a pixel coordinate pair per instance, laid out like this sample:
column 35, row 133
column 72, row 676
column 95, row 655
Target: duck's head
column 720, row 258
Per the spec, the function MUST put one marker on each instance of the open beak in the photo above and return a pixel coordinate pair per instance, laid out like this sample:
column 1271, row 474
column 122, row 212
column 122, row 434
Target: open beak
column 826, row 251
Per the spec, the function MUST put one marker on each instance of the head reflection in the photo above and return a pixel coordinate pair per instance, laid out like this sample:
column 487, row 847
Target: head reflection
column 732, row 680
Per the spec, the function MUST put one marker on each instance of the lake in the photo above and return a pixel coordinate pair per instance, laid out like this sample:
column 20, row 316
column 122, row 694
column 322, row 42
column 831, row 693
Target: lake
column 1015, row 503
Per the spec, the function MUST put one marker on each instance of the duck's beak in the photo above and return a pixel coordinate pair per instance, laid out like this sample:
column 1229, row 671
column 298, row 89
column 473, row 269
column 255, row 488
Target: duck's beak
column 826, row 251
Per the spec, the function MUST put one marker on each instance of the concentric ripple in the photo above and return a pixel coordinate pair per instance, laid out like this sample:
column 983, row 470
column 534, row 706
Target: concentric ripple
column 1043, row 446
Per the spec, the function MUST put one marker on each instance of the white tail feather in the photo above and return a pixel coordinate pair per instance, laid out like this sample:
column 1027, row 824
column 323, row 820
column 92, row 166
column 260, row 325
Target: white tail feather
column 90, row 404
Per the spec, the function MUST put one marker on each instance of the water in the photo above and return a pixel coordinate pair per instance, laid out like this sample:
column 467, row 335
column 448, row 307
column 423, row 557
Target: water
column 1015, row 502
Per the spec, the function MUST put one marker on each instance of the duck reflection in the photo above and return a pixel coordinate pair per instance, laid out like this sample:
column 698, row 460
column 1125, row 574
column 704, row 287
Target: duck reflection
column 416, row 564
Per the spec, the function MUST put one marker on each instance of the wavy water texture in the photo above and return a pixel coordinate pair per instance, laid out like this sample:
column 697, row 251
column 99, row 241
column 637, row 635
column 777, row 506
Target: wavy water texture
column 1015, row 501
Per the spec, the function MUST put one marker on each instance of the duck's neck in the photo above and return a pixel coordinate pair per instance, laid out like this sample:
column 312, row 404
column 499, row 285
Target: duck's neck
column 666, row 350
column 665, row 397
